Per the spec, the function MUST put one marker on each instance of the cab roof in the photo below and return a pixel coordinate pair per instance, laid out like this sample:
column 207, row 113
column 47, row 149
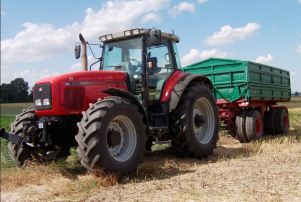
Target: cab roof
column 135, row 32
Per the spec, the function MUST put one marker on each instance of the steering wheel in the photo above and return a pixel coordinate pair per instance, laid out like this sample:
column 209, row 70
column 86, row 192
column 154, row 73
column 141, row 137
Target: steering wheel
column 135, row 68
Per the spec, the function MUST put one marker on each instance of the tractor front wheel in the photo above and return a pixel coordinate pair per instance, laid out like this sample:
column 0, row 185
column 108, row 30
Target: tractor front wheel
column 194, row 124
column 20, row 155
column 111, row 136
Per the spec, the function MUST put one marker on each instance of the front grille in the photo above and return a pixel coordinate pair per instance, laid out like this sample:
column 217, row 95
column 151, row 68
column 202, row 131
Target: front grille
column 74, row 98
column 42, row 92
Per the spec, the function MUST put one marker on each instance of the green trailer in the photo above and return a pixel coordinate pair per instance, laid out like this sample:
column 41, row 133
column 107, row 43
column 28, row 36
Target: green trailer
column 247, row 94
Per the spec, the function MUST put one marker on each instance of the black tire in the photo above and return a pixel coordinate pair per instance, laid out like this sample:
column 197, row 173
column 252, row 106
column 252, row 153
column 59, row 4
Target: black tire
column 188, row 138
column 254, row 125
column 111, row 114
column 282, row 121
column 20, row 155
column 271, row 122
column 240, row 123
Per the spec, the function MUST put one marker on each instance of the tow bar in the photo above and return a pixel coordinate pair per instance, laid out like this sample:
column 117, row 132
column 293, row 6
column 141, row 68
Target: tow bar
column 11, row 137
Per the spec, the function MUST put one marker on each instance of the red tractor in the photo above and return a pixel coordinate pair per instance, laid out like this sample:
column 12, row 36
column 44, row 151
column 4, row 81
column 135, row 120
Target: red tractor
column 139, row 96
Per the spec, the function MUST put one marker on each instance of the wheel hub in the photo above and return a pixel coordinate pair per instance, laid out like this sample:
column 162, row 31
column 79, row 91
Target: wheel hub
column 199, row 120
column 113, row 138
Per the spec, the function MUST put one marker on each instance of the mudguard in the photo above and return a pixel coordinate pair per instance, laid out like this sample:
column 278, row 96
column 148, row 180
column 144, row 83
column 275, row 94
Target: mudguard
column 131, row 97
column 176, row 85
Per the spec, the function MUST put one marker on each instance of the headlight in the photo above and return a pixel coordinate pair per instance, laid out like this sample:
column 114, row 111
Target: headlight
column 127, row 33
column 46, row 101
column 103, row 38
column 38, row 102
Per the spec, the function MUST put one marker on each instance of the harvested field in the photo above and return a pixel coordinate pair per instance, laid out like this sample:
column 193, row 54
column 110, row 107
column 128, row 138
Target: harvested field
column 267, row 170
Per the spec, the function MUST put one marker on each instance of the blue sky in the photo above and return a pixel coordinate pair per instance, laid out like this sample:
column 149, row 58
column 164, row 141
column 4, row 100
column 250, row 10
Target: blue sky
column 38, row 37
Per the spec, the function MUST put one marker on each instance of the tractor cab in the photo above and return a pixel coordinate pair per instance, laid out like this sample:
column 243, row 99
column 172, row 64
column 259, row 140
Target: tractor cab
column 138, row 52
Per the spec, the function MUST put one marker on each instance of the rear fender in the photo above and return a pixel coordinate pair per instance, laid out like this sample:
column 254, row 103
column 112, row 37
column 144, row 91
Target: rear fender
column 131, row 97
column 178, row 83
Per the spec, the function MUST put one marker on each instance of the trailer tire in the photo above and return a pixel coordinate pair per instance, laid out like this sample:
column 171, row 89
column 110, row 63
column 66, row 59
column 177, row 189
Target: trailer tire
column 271, row 122
column 20, row 155
column 254, row 125
column 282, row 121
column 111, row 136
column 188, row 136
column 240, row 123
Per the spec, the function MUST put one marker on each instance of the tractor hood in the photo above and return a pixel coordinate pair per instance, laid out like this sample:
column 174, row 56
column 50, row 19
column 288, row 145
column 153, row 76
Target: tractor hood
column 71, row 93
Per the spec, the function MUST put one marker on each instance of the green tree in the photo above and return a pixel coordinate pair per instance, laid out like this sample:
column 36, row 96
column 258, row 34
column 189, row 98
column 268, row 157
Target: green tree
column 6, row 93
column 19, row 89
column 296, row 93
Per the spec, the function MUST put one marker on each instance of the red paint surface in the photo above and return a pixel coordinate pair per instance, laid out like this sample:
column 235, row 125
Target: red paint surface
column 92, row 92
column 258, row 127
column 170, row 84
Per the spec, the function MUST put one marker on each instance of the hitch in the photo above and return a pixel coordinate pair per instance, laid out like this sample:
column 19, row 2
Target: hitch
column 11, row 137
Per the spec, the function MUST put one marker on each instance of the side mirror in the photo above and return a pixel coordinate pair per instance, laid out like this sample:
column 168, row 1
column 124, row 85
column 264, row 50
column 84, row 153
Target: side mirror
column 155, row 37
column 77, row 51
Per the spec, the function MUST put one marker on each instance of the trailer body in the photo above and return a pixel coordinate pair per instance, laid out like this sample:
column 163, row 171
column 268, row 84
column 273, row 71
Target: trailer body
column 244, row 86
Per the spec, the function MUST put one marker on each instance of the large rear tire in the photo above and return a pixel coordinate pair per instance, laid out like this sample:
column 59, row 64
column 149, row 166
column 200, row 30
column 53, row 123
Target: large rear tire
column 282, row 121
column 20, row 155
column 254, row 125
column 111, row 136
column 194, row 124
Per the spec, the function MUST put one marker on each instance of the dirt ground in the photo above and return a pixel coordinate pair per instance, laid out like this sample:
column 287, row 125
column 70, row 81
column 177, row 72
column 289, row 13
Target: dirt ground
column 268, row 170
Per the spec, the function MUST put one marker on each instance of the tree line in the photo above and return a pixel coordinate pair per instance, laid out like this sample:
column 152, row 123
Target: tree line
column 16, row 91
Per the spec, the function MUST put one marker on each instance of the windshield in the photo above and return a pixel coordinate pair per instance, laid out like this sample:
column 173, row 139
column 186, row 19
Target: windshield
column 123, row 56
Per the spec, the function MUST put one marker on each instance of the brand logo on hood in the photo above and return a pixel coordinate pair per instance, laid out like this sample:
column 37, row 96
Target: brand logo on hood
column 70, row 78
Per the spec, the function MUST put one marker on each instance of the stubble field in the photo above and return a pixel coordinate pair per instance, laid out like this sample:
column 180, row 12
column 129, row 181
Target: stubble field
column 267, row 170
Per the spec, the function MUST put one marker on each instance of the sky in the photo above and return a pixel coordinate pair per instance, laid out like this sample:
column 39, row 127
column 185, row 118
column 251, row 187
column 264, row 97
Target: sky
column 38, row 37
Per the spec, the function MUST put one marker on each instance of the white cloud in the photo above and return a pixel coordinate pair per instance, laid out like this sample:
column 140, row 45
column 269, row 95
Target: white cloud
column 300, row 1
column 78, row 66
column 203, row 1
column 299, row 47
column 156, row 17
column 265, row 60
column 294, row 73
column 183, row 6
column 39, row 42
column 3, row 13
column 195, row 56
column 228, row 35
column 33, row 76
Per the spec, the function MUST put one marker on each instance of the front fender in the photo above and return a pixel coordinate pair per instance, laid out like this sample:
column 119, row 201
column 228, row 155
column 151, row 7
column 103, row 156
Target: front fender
column 176, row 85
column 131, row 97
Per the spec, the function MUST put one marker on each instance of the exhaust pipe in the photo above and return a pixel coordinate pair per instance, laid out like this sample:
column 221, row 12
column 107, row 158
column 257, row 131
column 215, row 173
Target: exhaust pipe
column 84, row 54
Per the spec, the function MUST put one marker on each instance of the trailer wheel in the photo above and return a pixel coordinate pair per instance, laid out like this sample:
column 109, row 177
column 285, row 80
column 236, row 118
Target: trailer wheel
column 271, row 122
column 282, row 121
column 240, row 123
column 194, row 124
column 254, row 125
column 20, row 155
column 111, row 136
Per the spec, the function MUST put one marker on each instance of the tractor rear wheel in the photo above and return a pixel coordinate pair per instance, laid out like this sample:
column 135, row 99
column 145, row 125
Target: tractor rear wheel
column 194, row 124
column 254, row 125
column 20, row 155
column 282, row 121
column 111, row 136
column 240, row 123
